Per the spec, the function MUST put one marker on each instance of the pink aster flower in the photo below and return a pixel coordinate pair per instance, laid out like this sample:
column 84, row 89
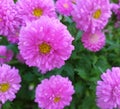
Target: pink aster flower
column 9, row 83
column 34, row 9
column 54, row 93
column 108, row 89
column 46, row 45
column 9, row 20
column 64, row 7
column 91, row 15
column 93, row 41
column 5, row 54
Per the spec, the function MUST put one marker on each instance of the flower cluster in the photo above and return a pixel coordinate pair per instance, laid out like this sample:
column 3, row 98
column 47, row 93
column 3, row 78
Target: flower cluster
column 38, row 37
column 91, row 17
column 43, row 42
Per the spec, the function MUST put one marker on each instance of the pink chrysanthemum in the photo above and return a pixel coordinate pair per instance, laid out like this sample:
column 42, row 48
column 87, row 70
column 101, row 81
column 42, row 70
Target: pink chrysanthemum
column 5, row 54
column 93, row 42
column 9, row 20
column 108, row 89
column 9, row 83
column 64, row 7
column 45, row 43
column 91, row 15
column 54, row 93
column 34, row 9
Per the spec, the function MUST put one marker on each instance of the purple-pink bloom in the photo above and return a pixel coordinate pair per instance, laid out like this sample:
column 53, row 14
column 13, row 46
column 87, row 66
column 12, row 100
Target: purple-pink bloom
column 64, row 7
column 9, row 83
column 54, row 93
column 45, row 43
column 108, row 89
column 6, row 55
column 93, row 41
column 91, row 15
column 30, row 10
column 9, row 20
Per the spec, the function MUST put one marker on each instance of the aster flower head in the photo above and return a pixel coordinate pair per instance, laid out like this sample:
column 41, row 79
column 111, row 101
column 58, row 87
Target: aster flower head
column 91, row 15
column 5, row 54
column 9, row 83
column 93, row 41
column 45, row 43
column 54, row 93
column 64, row 7
column 108, row 89
column 34, row 9
column 9, row 20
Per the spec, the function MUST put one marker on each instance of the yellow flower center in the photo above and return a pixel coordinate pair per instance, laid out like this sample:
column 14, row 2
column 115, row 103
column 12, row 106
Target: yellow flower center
column 97, row 14
column 94, row 38
column 57, row 99
column 37, row 12
column 65, row 5
column 44, row 48
column 4, row 87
